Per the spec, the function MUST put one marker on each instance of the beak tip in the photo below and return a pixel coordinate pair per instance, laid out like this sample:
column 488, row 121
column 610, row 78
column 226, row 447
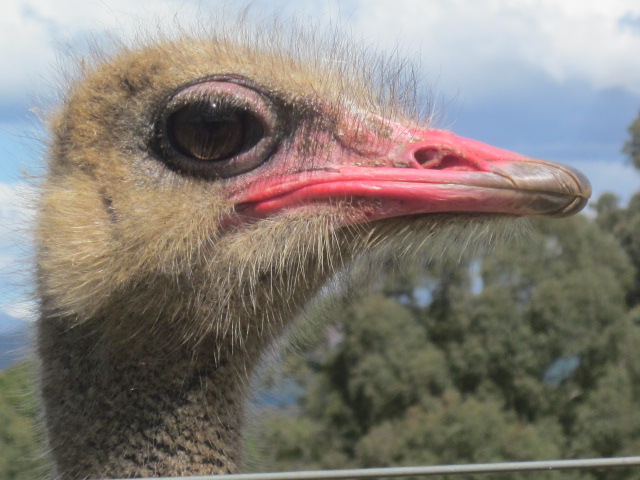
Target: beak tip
column 582, row 190
column 574, row 207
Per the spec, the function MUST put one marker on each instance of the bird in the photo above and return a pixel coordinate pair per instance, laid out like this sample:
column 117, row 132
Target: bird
column 199, row 191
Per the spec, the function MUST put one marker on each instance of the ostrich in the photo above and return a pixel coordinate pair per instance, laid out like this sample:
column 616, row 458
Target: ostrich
column 198, row 193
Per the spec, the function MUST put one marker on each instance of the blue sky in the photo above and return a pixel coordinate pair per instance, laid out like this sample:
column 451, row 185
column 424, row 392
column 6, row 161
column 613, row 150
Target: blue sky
column 553, row 79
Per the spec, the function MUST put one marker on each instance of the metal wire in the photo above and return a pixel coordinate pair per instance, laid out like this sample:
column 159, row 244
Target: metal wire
column 392, row 472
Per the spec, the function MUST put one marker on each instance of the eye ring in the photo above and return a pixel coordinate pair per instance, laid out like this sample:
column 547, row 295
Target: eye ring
column 216, row 129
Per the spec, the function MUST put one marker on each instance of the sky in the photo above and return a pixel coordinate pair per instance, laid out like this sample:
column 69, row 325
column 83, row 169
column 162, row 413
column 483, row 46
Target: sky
column 558, row 80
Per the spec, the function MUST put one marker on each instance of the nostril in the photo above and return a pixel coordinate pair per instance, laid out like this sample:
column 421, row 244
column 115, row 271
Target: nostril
column 439, row 159
column 427, row 156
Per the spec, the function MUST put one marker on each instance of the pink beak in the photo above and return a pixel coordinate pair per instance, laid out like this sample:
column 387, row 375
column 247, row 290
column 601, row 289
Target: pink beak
column 419, row 172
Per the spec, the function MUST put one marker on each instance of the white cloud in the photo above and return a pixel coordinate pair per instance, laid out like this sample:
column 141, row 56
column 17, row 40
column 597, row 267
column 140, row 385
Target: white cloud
column 34, row 33
column 22, row 309
column 475, row 46
column 469, row 46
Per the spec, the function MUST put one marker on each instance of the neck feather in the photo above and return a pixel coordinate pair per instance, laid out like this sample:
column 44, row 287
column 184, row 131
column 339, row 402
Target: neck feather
column 113, row 411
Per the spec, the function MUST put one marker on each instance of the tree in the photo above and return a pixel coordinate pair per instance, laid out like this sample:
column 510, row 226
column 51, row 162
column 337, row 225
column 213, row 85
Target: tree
column 632, row 146
column 624, row 225
column 520, row 355
column 21, row 456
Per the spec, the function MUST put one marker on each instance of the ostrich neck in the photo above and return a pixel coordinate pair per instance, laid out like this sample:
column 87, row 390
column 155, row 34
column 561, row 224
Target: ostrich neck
column 112, row 412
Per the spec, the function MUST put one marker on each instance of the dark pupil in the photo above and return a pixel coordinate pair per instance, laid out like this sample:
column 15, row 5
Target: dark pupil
column 212, row 132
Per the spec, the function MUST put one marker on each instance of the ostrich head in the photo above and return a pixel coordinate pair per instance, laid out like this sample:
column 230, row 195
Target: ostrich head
column 198, row 193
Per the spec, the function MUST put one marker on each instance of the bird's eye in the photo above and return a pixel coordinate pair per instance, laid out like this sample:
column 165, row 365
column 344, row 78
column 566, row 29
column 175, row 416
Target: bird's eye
column 213, row 132
column 216, row 130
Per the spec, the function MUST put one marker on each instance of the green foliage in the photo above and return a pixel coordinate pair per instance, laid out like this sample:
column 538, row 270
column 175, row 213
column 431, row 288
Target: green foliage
column 20, row 453
column 632, row 146
column 624, row 225
column 465, row 378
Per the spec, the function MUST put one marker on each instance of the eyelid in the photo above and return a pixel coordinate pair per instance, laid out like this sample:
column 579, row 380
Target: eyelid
column 235, row 95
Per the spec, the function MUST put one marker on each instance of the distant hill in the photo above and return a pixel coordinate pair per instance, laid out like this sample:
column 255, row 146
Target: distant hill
column 14, row 340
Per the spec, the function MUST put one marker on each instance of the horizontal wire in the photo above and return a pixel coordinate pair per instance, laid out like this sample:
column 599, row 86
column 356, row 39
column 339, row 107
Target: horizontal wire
column 589, row 463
